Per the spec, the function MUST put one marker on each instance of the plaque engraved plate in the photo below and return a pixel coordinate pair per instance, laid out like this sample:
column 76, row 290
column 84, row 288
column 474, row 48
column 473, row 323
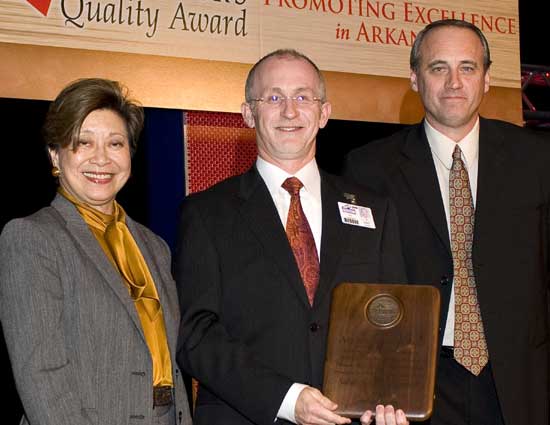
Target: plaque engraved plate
column 384, row 311
column 382, row 348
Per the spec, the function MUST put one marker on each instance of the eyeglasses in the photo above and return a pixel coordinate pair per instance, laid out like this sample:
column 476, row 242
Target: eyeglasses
column 276, row 100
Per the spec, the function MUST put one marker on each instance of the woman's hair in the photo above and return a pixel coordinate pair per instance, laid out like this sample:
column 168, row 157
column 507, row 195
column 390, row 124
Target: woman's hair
column 76, row 101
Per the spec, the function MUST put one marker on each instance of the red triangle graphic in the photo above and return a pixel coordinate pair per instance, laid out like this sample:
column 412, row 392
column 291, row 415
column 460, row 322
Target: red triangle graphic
column 41, row 5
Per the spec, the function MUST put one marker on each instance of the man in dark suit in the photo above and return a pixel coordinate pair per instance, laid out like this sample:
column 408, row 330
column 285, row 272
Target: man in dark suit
column 256, row 298
column 472, row 196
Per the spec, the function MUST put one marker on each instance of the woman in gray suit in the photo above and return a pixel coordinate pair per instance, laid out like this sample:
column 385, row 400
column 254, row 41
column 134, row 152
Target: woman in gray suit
column 87, row 303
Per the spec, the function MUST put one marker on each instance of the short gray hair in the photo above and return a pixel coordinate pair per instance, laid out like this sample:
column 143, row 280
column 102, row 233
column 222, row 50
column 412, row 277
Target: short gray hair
column 282, row 53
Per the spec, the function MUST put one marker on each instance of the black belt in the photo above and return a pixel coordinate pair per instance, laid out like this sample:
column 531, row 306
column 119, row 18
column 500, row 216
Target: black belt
column 447, row 352
column 162, row 396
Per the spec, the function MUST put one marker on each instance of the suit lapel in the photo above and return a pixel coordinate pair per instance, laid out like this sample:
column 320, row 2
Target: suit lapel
column 489, row 182
column 489, row 199
column 419, row 171
column 260, row 214
column 334, row 237
column 91, row 248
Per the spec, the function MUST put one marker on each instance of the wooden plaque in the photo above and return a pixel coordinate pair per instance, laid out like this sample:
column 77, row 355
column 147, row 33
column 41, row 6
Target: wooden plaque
column 382, row 348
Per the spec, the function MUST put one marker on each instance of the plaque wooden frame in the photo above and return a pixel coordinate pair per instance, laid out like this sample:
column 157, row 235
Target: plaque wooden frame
column 382, row 348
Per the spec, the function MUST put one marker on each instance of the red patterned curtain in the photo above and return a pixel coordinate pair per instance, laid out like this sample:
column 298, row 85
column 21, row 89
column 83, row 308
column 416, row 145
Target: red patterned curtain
column 218, row 145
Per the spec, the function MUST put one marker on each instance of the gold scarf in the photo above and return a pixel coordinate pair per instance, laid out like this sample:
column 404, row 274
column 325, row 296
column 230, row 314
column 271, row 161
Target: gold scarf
column 122, row 250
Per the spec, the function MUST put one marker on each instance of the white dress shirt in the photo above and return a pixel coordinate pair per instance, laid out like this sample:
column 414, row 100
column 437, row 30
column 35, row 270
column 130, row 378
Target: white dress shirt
column 442, row 152
column 310, row 197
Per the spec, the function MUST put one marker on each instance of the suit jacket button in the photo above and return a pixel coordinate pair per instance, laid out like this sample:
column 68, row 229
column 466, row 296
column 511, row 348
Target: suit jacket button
column 444, row 280
column 314, row 327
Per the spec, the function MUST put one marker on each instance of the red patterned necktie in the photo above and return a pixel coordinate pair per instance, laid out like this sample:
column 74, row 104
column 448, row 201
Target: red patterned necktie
column 470, row 347
column 301, row 239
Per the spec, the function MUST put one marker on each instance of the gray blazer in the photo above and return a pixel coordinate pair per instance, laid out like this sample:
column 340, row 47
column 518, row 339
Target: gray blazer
column 74, row 337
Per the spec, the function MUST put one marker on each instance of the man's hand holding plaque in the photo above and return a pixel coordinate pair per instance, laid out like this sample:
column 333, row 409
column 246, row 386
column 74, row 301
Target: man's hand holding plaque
column 313, row 408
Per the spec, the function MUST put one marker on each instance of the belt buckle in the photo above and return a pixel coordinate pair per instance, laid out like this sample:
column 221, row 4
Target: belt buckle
column 162, row 396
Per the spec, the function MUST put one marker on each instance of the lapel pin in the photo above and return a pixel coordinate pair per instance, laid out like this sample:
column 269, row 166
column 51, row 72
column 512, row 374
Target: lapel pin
column 351, row 198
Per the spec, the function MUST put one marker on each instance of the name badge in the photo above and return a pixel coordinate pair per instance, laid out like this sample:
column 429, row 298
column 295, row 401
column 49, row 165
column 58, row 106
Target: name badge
column 356, row 215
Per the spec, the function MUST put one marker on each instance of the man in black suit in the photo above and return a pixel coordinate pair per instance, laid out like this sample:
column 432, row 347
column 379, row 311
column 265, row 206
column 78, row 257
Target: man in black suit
column 473, row 197
column 255, row 302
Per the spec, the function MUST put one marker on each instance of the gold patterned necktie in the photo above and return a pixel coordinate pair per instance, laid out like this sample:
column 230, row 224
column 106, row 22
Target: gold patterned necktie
column 470, row 347
column 301, row 239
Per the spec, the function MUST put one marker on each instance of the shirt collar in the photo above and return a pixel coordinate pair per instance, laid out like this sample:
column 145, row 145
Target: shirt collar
column 442, row 146
column 274, row 177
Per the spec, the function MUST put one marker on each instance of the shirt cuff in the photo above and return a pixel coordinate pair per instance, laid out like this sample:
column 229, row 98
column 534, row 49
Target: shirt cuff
column 286, row 411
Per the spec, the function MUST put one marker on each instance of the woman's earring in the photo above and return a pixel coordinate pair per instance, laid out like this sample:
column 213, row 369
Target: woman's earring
column 56, row 172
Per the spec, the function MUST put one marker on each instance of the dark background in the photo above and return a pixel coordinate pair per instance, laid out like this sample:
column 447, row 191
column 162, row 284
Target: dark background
column 28, row 185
